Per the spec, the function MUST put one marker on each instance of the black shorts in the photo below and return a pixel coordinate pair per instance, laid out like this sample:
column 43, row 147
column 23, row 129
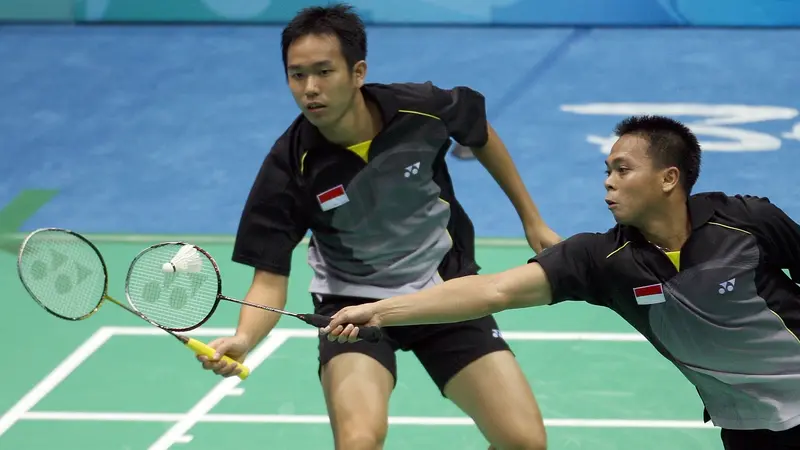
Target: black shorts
column 761, row 439
column 442, row 349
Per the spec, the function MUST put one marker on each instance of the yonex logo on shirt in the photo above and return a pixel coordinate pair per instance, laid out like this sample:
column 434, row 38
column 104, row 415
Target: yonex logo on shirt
column 412, row 169
column 727, row 286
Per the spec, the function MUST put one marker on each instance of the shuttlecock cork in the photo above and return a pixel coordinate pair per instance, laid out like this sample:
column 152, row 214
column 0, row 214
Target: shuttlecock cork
column 186, row 260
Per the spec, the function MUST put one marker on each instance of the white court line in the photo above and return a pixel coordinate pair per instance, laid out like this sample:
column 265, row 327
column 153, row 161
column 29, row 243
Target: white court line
column 226, row 387
column 82, row 416
column 312, row 333
column 52, row 380
column 177, row 434
column 322, row 419
column 153, row 331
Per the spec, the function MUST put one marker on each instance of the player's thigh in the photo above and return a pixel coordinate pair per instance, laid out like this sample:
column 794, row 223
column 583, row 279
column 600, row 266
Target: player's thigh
column 357, row 387
column 495, row 393
column 474, row 367
column 357, row 380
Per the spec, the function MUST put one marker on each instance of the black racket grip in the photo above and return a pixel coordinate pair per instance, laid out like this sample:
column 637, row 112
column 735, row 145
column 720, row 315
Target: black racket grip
column 369, row 334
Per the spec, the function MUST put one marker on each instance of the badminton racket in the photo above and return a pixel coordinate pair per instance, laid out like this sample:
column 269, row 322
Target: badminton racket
column 67, row 276
column 179, row 286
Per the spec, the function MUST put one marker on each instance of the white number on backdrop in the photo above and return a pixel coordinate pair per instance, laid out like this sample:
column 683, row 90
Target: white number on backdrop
column 794, row 134
column 715, row 123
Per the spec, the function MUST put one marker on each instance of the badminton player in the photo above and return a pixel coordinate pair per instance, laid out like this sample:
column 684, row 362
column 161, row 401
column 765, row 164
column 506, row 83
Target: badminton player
column 363, row 167
column 700, row 276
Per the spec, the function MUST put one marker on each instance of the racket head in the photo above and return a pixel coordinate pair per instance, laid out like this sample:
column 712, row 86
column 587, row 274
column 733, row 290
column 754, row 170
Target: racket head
column 63, row 272
column 176, row 300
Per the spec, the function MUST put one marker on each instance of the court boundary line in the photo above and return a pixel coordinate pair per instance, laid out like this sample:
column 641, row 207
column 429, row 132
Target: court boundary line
column 199, row 413
column 54, row 378
column 177, row 434
column 313, row 333
column 319, row 419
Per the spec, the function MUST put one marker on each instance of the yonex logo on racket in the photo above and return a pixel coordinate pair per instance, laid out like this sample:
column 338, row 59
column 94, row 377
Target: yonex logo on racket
column 62, row 272
column 192, row 297
column 58, row 267
column 176, row 299
column 56, row 251
column 188, row 286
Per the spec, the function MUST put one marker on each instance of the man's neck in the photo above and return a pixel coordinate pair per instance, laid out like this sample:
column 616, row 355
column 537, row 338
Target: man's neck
column 669, row 228
column 361, row 123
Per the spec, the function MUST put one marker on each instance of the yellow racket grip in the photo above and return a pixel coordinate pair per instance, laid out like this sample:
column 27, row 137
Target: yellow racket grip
column 202, row 349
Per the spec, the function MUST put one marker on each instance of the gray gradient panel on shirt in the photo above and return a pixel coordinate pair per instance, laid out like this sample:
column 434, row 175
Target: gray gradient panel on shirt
column 738, row 352
column 394, row 226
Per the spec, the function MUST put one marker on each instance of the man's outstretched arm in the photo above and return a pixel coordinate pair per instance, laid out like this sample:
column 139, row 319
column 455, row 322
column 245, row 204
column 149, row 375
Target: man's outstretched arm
column 566, row 271
column 456, row 300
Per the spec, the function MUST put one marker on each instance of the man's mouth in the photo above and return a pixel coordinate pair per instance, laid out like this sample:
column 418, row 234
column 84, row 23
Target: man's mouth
column 314, row 106
column 610, row 203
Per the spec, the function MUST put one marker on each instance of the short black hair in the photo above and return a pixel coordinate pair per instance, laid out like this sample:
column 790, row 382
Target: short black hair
column 671, row 144
column 337, row 20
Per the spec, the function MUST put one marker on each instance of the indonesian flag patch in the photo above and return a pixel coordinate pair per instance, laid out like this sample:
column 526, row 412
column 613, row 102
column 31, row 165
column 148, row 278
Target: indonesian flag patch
column 649, row 295
column 332, row 198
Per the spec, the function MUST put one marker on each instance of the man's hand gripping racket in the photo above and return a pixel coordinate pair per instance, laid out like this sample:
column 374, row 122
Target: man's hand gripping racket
column 179, row 286
column 67, row 276
column 349, row 323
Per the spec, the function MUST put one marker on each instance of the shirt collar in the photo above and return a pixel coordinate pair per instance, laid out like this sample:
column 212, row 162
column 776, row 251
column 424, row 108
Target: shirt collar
column 701, row 209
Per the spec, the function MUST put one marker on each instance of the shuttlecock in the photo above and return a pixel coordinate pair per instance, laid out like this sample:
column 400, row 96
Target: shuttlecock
column 186, row 260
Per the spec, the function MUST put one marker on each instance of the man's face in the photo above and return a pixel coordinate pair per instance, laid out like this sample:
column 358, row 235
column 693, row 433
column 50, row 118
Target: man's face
column 634, row 187
column 322, row 84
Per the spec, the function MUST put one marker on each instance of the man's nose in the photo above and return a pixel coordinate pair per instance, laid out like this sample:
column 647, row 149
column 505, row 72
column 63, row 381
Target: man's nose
column 312, row 87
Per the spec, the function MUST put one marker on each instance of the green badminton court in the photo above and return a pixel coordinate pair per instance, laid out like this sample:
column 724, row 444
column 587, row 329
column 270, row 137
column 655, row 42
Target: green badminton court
column 114, row 383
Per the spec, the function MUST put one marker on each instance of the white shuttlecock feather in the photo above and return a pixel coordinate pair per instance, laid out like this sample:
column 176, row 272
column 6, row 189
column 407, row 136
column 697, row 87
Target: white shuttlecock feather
column 187, row 259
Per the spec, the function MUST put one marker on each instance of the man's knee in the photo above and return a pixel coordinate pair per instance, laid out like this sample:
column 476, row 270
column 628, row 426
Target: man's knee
column 360, row 437
column 520, row 432
column 495, row 393
column 357, row 389
column 532, row 438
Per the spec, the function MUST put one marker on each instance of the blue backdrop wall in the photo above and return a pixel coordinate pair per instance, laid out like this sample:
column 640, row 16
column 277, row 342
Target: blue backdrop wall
column 755, row 13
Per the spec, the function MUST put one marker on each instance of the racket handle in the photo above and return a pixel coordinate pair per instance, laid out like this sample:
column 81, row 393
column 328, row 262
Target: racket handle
column 202, row 349
column 369, row 334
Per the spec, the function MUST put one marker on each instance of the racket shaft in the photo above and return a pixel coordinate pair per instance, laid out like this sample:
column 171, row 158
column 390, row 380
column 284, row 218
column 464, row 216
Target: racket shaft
column 256, row 305
column 370, row 334
column 200, row 348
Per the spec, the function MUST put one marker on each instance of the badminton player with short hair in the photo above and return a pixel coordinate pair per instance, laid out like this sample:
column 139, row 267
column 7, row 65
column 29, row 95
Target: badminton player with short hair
column 363, row 167
column 700, row 276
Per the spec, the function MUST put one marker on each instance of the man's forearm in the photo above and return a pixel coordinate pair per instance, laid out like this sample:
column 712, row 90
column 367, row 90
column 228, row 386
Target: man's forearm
column 457, row 300
column 255, row 323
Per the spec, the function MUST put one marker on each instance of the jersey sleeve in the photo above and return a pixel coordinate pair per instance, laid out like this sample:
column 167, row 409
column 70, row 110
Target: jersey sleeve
column 463, row 111
column 572, row 269
column 273, row 220
column 778, row 234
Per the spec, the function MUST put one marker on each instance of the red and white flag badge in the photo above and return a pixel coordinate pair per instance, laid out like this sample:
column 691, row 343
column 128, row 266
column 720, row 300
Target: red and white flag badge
column 649, row 295
column 332, row 198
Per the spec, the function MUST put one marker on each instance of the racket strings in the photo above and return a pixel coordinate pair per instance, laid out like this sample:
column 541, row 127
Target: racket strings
column 174, row 300
column 63, row 273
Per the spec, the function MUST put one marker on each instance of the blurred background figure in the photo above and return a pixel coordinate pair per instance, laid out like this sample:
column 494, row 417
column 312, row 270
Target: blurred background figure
column 461, row 152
